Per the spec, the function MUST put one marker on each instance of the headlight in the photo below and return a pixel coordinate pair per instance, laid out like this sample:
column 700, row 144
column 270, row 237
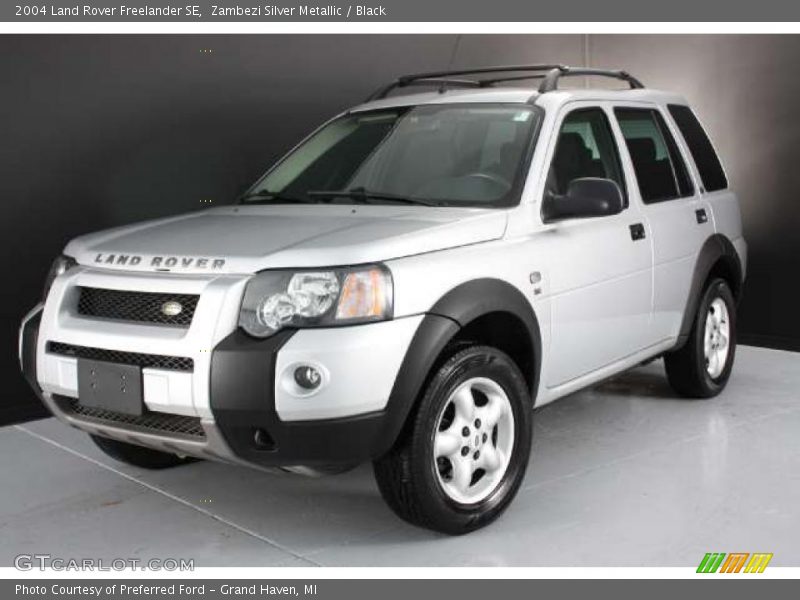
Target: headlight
column 316, row 298
column 60, row 265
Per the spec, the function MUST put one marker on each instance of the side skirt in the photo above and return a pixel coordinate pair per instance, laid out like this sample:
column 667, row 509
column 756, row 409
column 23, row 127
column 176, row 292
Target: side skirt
column 547, row 395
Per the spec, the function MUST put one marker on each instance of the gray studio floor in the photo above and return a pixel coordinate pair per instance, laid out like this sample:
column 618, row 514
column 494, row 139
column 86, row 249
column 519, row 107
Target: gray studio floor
column 623, row 474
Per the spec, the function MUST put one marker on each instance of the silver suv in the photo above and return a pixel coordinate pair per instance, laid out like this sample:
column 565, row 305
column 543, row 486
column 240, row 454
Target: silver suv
column 404, row 287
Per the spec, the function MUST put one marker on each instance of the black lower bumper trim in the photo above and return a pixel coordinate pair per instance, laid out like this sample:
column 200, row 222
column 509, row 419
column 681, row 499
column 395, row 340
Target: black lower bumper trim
column 243, row 404
column 177, row 426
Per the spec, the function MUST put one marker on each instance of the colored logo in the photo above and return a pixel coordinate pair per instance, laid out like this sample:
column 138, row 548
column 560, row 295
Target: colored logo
column 736, row 562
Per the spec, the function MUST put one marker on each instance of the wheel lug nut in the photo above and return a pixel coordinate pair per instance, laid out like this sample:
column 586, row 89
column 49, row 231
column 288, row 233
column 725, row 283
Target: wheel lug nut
column 464, row 451
column 477, row 423
column 477, row 454
column 485, row 437
column 465, row 432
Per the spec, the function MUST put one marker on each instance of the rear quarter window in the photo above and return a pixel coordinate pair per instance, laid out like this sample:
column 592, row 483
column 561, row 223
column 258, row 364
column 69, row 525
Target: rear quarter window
column 706, row 159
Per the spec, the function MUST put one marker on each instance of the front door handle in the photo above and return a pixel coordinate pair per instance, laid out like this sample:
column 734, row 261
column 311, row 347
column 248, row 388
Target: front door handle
column 701, row 216
column 637, row 232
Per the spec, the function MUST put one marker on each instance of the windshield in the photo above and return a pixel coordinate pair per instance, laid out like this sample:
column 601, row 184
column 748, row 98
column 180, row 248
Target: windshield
column 441, row 155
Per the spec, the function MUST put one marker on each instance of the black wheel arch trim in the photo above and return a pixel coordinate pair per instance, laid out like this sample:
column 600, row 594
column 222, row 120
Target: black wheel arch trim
column 480, row 297
column 441, row 324
column 717, row 248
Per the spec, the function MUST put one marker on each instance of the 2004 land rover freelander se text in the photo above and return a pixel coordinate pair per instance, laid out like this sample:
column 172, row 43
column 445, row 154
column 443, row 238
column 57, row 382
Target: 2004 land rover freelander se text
column 404, row 287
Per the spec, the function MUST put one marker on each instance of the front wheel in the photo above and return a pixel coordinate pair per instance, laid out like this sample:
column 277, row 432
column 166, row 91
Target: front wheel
column 464, row 454
column 701, row 368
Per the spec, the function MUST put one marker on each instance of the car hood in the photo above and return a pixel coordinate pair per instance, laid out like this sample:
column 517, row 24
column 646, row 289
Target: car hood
column 246, row 239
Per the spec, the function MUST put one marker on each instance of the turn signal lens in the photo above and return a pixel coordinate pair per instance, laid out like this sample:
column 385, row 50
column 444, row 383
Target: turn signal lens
column 365, row 295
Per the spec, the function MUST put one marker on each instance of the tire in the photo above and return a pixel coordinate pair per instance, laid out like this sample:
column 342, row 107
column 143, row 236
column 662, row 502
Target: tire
column 139, row 456
column 449, row 493
column 693, row 371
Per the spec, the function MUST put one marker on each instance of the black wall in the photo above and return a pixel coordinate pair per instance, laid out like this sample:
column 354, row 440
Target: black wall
column 98, row 131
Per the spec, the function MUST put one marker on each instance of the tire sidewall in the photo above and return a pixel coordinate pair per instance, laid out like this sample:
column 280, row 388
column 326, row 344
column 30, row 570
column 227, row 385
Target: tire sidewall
column 718, row 288
column 479, row 361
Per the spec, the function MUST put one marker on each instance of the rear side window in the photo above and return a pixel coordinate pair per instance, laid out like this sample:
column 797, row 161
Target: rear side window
column 660, row 170
column 705, row 158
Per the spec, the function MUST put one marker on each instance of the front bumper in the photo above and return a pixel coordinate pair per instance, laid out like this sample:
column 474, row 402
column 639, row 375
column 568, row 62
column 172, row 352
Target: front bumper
column 209, row 444
column 243, row 403
column 234, row 404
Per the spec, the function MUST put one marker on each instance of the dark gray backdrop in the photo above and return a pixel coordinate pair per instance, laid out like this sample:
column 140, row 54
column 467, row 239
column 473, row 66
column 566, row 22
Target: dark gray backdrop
column 103, row 130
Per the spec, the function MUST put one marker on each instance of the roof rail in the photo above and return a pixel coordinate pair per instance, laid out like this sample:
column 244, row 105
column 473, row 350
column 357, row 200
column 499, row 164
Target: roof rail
column 550, row 82
column 444, row 78
column 549, row 73
column 442, row 82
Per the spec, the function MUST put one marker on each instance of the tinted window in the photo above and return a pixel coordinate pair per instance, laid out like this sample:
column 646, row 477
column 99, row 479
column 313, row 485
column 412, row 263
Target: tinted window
column 585, row 148
column 659, row 167
column 705, row 158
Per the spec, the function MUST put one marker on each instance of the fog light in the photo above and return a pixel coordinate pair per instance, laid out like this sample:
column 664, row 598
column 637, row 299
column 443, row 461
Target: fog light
column 307, row 377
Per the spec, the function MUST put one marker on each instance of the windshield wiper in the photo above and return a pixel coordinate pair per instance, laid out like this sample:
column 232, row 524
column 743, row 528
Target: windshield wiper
column 265, row 196
column 361, row 194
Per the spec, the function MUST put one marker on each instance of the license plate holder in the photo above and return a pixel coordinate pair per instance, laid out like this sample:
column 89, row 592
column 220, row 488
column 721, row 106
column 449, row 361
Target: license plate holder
column 110, row 386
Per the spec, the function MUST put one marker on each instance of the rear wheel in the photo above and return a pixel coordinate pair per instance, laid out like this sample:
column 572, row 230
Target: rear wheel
column 701, row 368
column 465, row 452
column 139, row 456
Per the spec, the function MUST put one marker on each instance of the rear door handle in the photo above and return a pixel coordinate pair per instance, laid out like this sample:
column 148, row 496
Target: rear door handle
column 701, row 216
column 637, row 232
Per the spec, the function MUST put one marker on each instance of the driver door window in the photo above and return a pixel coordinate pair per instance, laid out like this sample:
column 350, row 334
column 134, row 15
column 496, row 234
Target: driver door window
column 585, row 148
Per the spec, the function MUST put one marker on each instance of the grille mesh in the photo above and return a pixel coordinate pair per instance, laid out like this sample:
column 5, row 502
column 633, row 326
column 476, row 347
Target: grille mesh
column 155, row 361
column 150, row 422
column 136, row 306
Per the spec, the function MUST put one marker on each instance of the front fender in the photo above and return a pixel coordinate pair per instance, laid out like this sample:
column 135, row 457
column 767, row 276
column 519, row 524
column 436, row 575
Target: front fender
column 453, row 311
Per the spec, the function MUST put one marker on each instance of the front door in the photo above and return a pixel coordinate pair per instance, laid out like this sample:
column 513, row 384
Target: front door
column 600, row 269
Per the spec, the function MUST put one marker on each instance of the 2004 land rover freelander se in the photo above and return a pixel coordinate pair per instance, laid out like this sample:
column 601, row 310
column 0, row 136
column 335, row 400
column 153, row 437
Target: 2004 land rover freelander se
column 404, row 287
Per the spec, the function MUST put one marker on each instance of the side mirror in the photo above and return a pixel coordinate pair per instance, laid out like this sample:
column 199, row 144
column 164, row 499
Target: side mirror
column 585, row 197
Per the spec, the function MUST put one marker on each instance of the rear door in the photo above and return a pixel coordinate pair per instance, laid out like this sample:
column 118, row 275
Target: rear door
column 679, row 217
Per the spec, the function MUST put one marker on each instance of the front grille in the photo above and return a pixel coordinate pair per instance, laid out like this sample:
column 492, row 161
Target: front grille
column 155, row 361
column 147, row 307
column 150, row 422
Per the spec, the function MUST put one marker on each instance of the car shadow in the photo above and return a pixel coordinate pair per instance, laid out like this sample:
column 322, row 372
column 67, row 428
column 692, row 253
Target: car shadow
column 649, row 381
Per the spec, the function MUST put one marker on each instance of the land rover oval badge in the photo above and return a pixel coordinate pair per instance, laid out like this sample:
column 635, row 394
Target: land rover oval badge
column 171, row 308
